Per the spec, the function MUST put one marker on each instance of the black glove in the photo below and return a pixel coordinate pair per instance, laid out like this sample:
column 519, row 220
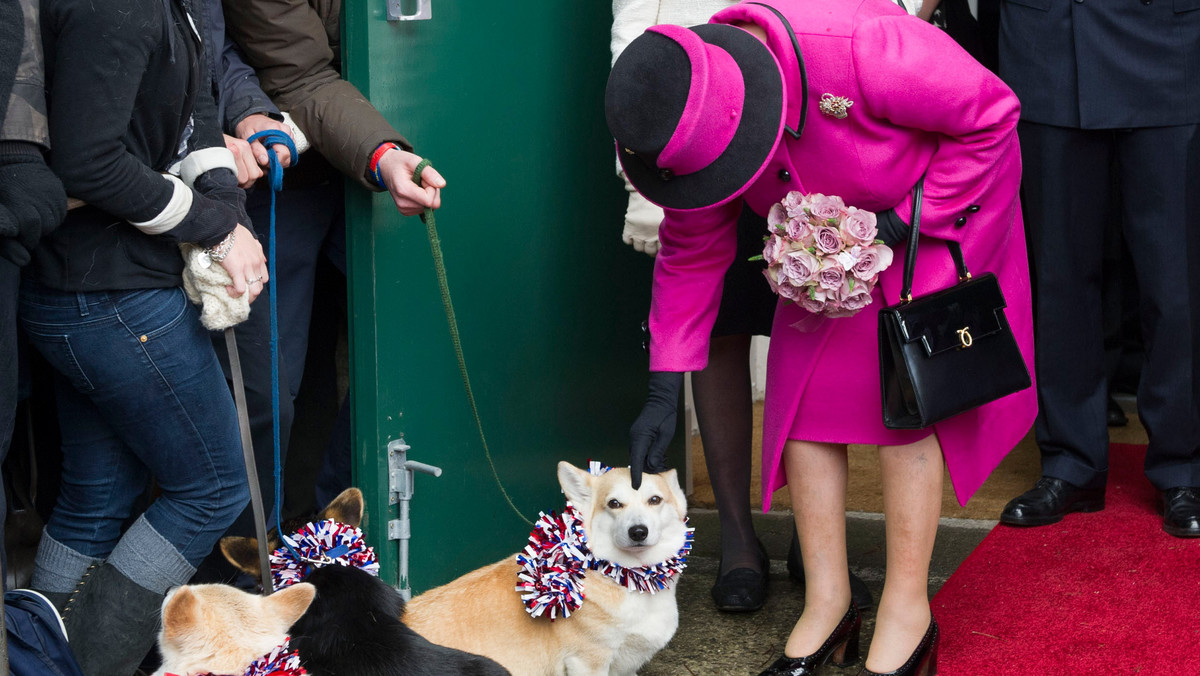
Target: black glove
column 892, row 230
column 32, row 200
column 653, row 429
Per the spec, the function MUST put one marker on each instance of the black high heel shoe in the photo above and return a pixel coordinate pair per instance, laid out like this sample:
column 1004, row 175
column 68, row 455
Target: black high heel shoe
column 742, row 590
column 840, row 649
column 923, row 661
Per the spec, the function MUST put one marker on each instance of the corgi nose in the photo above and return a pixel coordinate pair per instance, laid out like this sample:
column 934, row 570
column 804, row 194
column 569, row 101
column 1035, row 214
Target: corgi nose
column 638, row 533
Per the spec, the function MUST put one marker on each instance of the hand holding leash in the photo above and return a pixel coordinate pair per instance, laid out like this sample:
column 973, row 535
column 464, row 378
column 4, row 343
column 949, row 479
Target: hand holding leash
column 654, row 428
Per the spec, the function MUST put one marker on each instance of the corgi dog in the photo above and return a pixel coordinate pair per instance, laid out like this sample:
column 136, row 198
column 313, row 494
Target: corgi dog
column 353, row 625
column 220, row 629
column 615, row 630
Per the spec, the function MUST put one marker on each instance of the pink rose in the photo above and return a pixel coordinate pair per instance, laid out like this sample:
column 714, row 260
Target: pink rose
column 800, row 266
column 792, row 292
column 776, row 217
column 871, row 261
column 773, row 249
column 796, row 204
column 798, row 230
column 827, row 239
column 832, row 275
column 855, row 299
column 772, row 275
column 825, row 207
column 858, row 227
column 814, row 303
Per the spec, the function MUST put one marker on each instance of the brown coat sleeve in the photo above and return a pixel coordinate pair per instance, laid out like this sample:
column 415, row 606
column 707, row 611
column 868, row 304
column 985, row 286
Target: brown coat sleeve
column 293, row 45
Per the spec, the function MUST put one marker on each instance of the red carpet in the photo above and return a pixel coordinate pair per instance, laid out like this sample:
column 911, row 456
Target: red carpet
column 1103, row 593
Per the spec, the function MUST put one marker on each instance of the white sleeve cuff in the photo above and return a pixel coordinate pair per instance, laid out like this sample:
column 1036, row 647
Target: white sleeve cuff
column 172, row 214
column 298, row 136
column 205, row 159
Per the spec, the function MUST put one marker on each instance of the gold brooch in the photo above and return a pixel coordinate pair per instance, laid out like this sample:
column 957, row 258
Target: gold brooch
column 835, row 106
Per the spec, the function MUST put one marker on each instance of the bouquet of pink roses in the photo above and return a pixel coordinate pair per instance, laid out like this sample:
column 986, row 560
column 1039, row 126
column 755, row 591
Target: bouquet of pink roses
column 822, row 254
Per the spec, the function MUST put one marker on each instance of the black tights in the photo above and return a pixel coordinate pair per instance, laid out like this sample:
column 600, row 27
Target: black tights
column 725, row 412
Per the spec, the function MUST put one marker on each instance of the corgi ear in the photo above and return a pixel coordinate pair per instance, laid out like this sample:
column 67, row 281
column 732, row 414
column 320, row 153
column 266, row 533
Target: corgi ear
column 242, row 552
column 179, row 612
column 289, row 604
column 672, row 478
column 346, row 508
column 576, row 483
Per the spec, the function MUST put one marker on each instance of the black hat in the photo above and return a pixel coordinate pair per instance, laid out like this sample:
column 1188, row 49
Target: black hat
column 696, row 113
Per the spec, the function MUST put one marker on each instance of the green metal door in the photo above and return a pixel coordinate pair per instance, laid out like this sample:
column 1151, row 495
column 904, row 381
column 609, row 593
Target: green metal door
column 507, row 100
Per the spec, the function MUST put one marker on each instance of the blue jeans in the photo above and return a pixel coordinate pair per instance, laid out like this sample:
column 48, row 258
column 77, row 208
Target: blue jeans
column 140, row 394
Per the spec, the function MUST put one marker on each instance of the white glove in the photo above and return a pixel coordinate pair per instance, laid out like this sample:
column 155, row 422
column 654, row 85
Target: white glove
column 642, row 219
column 204, row 281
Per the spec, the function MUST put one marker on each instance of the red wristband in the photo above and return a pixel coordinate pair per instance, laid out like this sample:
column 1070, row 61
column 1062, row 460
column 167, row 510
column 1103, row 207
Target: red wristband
column 373, row 166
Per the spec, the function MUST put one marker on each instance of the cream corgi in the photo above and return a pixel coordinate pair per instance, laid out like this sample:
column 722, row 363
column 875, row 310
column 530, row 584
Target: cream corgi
column 615, row 630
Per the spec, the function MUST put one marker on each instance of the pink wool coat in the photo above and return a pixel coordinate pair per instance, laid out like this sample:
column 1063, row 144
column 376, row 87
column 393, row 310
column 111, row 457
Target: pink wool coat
column 921, row 105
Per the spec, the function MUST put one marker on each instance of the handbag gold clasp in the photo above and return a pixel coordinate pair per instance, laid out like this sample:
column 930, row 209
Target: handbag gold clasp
column 964, row 336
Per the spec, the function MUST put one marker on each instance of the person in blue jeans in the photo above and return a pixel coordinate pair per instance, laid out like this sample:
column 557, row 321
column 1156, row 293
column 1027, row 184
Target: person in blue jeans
column 139, row 389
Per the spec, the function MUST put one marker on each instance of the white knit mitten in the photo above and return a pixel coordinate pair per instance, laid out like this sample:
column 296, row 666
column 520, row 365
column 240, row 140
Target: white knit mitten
column 205, row 280
column 642, row 219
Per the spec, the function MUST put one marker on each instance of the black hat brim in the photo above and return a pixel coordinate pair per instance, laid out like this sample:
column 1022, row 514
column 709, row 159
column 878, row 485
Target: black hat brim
column 752, row 145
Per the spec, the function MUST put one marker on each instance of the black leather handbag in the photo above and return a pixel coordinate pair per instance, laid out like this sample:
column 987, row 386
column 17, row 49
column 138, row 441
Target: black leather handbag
column 948, row 351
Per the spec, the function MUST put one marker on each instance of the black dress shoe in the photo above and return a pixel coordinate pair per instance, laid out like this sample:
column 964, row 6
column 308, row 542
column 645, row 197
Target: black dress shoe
column 1048, row 501
column 923, row 661
column 859, row 592
column 1116, row 415
column 743, row 590
column 840, row 649
column 1180, row 508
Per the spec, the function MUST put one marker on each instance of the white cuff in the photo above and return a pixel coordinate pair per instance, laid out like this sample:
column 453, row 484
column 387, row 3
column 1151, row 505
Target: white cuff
column 173, row 213
column 206, row 159
column 298, row 136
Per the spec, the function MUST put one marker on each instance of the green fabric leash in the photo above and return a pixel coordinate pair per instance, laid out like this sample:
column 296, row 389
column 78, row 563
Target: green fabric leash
column 439, row 264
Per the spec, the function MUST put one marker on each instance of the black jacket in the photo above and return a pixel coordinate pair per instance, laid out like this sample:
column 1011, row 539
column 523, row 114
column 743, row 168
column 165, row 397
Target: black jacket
column 126, row 102
column 1103, row 64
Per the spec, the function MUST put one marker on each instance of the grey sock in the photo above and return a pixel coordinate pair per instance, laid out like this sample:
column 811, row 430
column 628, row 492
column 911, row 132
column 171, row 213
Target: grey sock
column 57, row 568
column 147, row 558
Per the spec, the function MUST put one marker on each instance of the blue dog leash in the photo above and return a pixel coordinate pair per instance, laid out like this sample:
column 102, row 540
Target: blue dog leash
column 269, row 139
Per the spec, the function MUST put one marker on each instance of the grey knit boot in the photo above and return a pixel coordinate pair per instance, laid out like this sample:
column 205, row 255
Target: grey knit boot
column 113, row 621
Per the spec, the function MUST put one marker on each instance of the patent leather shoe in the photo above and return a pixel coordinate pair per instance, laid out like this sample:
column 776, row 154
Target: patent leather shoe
column 1048, row 501
column 923, row 661
column 1180, row 508
column 840, row 649
column 859, row 592
column 742, row 590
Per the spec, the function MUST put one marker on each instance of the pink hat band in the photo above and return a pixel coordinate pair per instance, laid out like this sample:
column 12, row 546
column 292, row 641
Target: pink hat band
column 714, row 104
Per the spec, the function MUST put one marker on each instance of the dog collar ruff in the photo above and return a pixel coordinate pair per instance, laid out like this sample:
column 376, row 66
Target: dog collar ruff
column 554, row 562
column 281, row 661
column 320, row 544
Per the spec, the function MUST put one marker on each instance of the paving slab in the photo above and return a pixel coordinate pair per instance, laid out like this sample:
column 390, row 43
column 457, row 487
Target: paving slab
column 712, row 643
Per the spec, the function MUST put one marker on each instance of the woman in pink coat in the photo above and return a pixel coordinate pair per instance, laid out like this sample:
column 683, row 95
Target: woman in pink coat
column 747, row 122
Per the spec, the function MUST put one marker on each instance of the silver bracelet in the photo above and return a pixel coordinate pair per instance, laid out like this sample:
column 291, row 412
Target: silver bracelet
column 221, row 249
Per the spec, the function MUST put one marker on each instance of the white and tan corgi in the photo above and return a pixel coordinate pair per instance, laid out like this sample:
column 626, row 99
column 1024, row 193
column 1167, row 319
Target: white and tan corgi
column 615, row 630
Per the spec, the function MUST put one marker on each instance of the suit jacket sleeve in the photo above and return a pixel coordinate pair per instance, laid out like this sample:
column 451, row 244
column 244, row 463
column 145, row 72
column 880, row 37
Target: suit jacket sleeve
column 286, row 43
column 697, row 248
column 915, row 76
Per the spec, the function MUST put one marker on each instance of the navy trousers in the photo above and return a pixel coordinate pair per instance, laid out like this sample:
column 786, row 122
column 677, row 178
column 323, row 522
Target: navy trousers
column 1067, row 195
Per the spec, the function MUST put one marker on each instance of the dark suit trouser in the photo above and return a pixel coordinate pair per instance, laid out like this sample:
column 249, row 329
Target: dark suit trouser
column 1067, row 196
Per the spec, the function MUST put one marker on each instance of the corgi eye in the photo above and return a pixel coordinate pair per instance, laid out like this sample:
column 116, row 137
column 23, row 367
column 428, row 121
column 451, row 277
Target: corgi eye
column 614, row 504
column 655, row 500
